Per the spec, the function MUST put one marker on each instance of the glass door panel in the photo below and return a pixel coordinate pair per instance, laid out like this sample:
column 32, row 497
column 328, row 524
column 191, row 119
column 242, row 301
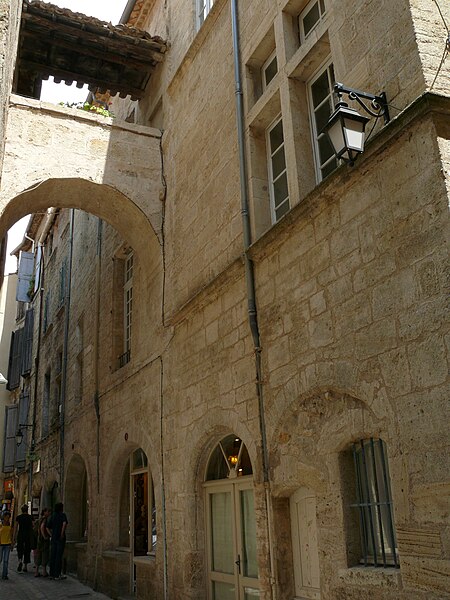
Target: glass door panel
column 223, row 591
column 232, row 556
column 222, row 558
column 248, row 531
column 250, row 593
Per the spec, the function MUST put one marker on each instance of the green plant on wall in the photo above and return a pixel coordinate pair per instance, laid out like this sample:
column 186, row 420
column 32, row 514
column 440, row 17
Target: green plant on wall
column 88, row 107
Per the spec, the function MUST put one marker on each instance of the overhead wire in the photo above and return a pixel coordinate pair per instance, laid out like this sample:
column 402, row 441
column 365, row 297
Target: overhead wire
column 447, row 44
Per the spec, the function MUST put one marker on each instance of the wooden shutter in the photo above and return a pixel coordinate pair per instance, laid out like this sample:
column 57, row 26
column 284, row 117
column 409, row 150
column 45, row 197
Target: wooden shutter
column 37, row 271
column 15, row 362
column 21, row 451
column 26, row 270
column 9, row 448
column 27, row 351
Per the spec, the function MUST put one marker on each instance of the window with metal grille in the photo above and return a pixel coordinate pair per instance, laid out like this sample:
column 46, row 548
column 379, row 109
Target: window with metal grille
column 374, row 504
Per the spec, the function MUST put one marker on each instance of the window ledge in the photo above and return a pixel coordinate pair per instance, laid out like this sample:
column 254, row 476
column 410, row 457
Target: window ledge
column 376, row 576
column 115, row 554
column 310, row 54
column 144, row 560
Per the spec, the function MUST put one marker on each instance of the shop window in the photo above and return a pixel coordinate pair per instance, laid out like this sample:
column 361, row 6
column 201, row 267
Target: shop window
column 137, row 527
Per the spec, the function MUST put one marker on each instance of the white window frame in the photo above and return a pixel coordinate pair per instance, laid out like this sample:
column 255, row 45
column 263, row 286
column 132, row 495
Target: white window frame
column 272, row 182
column 203, row 8
column 322, row 11
column 264, row 68
column 311, row 109
column 127, row 301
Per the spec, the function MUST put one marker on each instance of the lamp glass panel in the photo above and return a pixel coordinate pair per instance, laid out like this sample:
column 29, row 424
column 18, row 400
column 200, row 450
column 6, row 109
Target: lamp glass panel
column 354, row 134
column 337, row 136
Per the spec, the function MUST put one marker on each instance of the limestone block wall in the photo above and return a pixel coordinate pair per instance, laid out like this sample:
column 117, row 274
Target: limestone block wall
column 48, row 142
column 9, row 28
column 431, row 26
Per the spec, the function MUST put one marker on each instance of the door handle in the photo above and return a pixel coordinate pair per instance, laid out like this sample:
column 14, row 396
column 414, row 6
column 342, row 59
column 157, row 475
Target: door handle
column 238, row 563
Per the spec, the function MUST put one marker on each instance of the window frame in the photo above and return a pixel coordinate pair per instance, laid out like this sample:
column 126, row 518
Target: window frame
column 315, row 135
column 128, row 273
column 267, row 63
column 271, row 180
column 151, row 510
column 322, row 12
column 202, row 10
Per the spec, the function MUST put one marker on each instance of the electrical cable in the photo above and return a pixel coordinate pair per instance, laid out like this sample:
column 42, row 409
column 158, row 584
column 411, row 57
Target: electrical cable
column 447, row 44
column 442, row 16
column 444, row 55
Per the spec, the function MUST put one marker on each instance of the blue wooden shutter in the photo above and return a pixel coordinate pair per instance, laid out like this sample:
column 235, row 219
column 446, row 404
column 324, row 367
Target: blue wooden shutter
column 15, row 360
column 26, row 270
column 27, row 351
column 9, row 448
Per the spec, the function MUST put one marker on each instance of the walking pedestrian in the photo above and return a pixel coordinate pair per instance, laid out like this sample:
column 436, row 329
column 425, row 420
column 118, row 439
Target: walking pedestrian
column 23, row 532
column 43, row 544
column 6, row 542
column 56, row 527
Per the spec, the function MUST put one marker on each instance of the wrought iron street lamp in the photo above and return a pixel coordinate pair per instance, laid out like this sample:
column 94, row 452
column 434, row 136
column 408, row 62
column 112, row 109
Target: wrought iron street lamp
column 19, row 433
column 345, row 127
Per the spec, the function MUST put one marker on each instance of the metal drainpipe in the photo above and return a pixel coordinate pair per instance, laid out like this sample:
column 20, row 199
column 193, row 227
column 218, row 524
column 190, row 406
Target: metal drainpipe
column 250, row 275
column 65, row 354
column 36, row 366
column 98, row 263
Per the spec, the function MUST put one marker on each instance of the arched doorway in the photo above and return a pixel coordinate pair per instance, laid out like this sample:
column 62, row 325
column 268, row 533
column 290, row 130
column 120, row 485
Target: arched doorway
column 76, row 499
column 137, row 518
column 230, row 523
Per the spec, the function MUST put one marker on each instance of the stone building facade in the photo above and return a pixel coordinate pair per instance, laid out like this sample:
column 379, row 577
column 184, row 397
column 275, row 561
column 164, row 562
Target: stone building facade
column 229, row 416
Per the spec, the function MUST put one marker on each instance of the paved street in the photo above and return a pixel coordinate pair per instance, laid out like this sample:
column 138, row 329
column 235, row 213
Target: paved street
column 24, row 586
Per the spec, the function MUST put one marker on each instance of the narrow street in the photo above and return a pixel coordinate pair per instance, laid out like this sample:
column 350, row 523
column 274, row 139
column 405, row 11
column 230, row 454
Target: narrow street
column 24, row 586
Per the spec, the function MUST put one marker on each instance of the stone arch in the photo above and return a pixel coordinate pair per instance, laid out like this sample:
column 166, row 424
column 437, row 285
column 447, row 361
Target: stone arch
column 47, row 143
column 207, row 435
column 102, row 200
column 313, row 427
column 307, row 448
column 76, row 497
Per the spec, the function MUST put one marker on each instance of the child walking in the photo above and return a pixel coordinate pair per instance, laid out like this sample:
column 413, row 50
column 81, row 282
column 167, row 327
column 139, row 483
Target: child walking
column 6, row 542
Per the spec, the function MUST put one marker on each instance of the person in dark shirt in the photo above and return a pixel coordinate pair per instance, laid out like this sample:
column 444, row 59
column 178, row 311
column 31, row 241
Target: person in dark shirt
column 56, row 527
column 22, row 536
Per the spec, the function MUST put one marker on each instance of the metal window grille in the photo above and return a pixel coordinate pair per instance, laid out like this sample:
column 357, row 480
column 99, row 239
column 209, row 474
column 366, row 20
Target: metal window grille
column 374, row 504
